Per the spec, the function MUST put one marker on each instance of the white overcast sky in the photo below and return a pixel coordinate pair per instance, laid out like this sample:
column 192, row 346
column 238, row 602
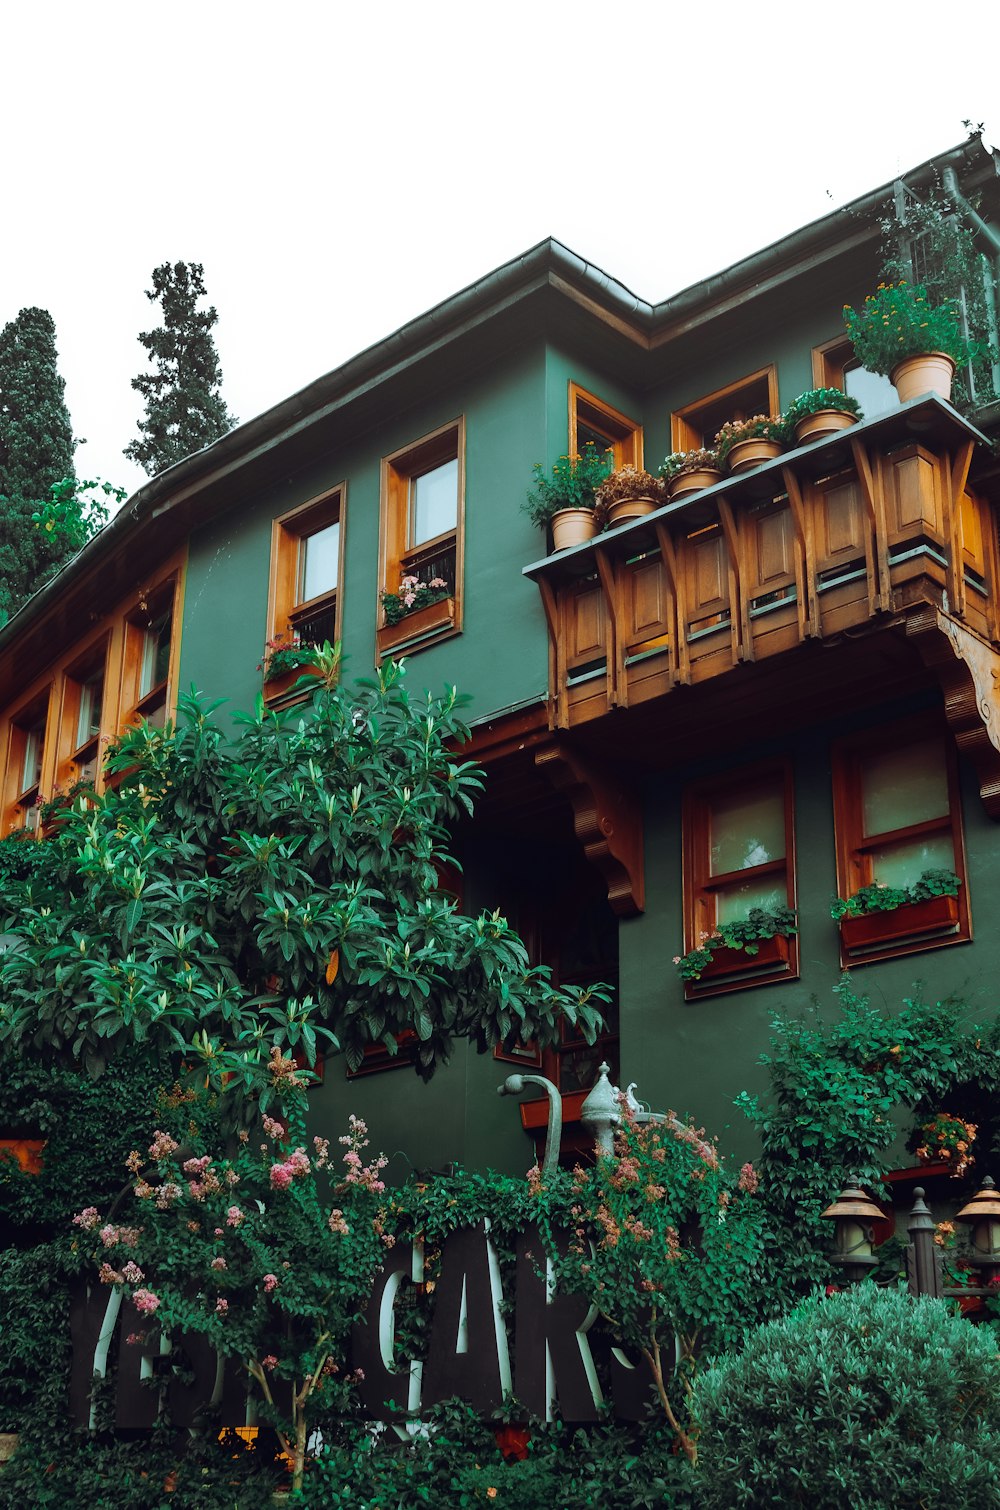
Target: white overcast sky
column 339, row 169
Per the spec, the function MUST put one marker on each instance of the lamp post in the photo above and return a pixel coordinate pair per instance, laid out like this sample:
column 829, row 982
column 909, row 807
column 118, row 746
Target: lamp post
column 983, row 1215
column 854, row 1213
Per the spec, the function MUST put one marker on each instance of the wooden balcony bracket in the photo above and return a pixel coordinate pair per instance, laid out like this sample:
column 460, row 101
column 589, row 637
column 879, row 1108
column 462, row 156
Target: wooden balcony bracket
column 607, row 820
column 668, row 555
column 968, row 672
column 957, row 478
column 608, row 577
column 871, row 492
column 810, row 624
column 558, row 709
column 738, row 576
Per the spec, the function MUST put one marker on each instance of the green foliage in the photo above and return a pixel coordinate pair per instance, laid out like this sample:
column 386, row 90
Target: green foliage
column 573, row 484
column 900, row 320
column 36, row 454
column 280, row 658
column 184, row 408
column 743, row 933
column 279, row 894
column 868, row 1399
column 880, row 897
column 76, row 510
column 816, row 400
column 665, row 1245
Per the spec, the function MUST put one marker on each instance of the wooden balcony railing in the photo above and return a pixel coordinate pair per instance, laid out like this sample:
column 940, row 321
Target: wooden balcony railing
column 880, row 519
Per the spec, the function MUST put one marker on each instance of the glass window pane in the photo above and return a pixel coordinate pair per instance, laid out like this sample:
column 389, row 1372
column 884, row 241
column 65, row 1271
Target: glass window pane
column 747, row 828
column 903, row 863
column 319, row 560
column 155, row 655
column 873, row 391
column 434, row 502
column 904, row 786
column 89, row 719
column 734, row 903
column 32, row 772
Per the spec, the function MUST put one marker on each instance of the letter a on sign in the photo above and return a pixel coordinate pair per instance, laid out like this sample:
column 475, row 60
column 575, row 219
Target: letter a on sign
column 468, row 1350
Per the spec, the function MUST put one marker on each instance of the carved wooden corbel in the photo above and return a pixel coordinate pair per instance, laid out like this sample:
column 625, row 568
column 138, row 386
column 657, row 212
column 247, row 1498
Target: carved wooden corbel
column 968, row 671
column 607, row 819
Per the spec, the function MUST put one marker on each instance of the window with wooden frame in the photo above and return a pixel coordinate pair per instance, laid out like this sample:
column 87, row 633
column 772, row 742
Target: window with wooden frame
column 739, row 853
column 83, row 708
column 422, row 540
column 835, row 366
column 307, row 566
column 593, row 422
column 25, row 764
column 897, row 811
column 697, row 424
column 149, row 647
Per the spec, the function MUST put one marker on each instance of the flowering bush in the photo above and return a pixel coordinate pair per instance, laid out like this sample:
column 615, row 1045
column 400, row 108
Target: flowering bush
column 270, row 1253
column 680, row 462
column 624, row 484
column 818, row 399
column 899, row 321
column 412, row 594
column 573, row 484
column 281, row 656
column 881, row 897
column 758, row 427
column 947, row 1140
column 664, row 1245
column 745, row 933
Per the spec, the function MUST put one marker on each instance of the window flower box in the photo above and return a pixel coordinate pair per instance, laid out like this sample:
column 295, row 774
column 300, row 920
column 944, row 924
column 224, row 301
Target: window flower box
column 872, row 930
column 771, row 955
column 417, row 626
column 277, row 688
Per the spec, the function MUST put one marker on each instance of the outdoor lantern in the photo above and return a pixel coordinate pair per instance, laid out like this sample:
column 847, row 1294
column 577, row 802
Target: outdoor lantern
column 983, row 1215
column 854, row 1213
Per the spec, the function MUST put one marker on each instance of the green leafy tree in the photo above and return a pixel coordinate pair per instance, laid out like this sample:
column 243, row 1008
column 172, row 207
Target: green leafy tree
column 184, row 408
column 283, row 893
column 36, row 453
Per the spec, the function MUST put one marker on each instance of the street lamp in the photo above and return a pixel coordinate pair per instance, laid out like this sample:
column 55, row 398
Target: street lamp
column 854, row 1213
column 983, row 1215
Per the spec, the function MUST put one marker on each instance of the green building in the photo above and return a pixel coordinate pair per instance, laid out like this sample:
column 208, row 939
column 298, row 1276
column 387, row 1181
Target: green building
column 770, row 692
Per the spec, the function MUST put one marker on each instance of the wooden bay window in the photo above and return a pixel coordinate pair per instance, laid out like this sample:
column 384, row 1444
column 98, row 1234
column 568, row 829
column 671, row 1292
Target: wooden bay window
column 898, row 814
column 739, row 855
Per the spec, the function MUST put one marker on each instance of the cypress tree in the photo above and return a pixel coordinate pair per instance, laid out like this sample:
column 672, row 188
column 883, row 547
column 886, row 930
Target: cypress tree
column 36, row 453
column 184, row 408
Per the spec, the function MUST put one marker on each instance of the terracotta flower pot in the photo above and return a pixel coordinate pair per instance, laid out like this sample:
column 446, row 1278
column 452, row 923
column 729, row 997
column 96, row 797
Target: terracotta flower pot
column 692, row 482
column 912, row 920
column 930, row 372
column 572, row 527
column 813, row 427
column 747, row 454
column 630, row 508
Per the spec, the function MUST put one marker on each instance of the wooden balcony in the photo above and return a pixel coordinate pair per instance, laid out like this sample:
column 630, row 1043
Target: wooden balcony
column 880, row 524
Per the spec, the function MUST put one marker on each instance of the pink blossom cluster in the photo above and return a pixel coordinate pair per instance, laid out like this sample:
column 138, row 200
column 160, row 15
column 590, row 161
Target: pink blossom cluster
column 283, row 1174
column 410, row 586
column 88, row 1218
column 234, row 1216
column 321, row 1147
column 134, row 1162
column 749, row 1179
column 166, row 1195
column 145, row 1301
column 111, row 1236
column 273, row 1128
column 358, row 1172
column 132, row 1274
column 270, row 1283
column 162, row 1146
column 219, row 1263
column 534, row 1178
column 336, row 1223
column 221, row 1306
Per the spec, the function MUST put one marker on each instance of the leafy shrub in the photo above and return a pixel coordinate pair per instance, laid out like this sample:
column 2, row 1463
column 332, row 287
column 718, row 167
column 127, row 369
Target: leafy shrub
column 867, row 1399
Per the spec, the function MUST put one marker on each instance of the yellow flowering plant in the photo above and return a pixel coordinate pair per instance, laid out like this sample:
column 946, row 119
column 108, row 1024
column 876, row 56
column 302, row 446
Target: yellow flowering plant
column 899, row 320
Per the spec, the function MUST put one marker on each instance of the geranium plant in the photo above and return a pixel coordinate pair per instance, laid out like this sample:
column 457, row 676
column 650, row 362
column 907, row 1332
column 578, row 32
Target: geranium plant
column 898, row 321
column 664, row 1245
column 816, row 400
column 678, row 463
column 282, row 656
column 947, row 1139
column 573, row 484
column 412, row 595
column 270, row 1253
column 744, row 933
column 626, row 483
column 757, row 427
column 879, row 896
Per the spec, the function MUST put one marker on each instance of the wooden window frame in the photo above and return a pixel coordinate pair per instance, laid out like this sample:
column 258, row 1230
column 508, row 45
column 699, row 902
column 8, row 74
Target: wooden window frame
column 853, row 845
column 700, row 886
column 830, row 359
column 398, row 556
column 285, row 611
column 687, row 435
column 623, row 435
column 73, row 755
column 139, row 619
column 20, row 802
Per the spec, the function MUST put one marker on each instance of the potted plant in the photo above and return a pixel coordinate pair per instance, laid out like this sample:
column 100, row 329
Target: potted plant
column 916, row 344
column 947, row 1140
column 566, row 499
column 819, row 413
column 745, row 443
column 628, row 493
column 881, row 914
column 283, row 656
column 689, row 472
column 412, row 596
column 761, row 939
